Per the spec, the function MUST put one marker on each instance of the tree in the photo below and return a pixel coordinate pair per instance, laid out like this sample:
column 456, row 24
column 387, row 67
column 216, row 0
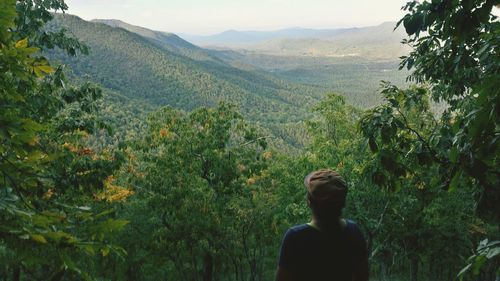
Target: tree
column 455, row 54
column 455, row 50
column 48, row 214
column 203, row 189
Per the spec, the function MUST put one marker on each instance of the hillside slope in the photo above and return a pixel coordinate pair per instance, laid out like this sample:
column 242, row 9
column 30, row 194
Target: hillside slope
column 166, row 40
column 137, row 67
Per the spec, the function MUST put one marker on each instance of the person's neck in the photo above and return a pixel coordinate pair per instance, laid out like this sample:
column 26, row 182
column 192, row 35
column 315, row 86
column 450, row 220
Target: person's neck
column 341, row 223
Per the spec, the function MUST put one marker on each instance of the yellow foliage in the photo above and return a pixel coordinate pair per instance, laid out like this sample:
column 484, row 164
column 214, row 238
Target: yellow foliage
column 38, row 238
column 477, row 229
column 70, row 147
column 267, row 155
column 242, row 168
column 251, row 181
column 23, row 43
column 86, row 151
column 163, row 132
column 113, row 193
column 48, row 194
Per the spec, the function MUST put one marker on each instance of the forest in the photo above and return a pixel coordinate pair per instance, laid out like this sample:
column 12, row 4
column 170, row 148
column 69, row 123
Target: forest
column 106, row 176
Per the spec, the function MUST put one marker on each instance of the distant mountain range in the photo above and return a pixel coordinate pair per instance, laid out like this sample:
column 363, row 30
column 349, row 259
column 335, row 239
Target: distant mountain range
column 374, row 42
column 240, row 38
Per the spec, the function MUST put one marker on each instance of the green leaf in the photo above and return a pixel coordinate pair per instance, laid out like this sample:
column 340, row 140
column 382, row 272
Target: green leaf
column 105, row 251
column 455, row 181
column 45, row 69
column 413, row 23
column 477, row 264
column 453, row 154
column 69, row 264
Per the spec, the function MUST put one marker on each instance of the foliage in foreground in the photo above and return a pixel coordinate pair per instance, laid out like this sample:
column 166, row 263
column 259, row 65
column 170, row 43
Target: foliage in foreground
column 51, row 224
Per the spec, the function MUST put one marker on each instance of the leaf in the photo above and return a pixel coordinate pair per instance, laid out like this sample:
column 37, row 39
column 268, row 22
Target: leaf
column 478, row 263
column 60, row 236
column 89, row 249
column 409, row 63
column 23, row 43
column 69, row 264
column 493, row 252
column 25, row 236
column 454, row 181
column 413, row 23
column 102, row 214
column 38, row 238
column 105, row 251
column 454, row 154
column 43, row 69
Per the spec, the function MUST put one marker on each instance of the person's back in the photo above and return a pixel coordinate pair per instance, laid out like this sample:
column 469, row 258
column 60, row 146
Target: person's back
column 328, row 248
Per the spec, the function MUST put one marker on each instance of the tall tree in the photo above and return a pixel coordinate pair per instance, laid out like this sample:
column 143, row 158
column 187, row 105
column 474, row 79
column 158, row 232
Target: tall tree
column 48, row 218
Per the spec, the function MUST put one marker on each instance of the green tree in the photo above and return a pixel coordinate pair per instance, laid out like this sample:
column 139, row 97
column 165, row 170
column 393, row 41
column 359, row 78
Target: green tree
column 455, row 50
column 48, row 214
column 202, row 187
column 455, row 53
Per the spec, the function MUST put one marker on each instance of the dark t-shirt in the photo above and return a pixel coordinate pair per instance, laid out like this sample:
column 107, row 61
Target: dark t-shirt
column 313, row 255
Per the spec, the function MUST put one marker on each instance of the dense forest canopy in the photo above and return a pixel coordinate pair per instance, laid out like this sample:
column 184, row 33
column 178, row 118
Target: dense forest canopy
column 96, row 184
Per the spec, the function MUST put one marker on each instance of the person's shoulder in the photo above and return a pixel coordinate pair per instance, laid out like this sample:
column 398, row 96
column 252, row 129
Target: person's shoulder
column 297, row 230
column 351, row 225
column 354, row 232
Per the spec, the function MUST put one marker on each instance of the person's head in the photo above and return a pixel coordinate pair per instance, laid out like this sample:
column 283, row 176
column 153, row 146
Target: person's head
column 326, row 194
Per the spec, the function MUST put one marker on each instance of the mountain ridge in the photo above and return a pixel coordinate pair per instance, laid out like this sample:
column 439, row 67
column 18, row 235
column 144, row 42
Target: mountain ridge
column 291, row 32
column 167, row 40
column 140, row 67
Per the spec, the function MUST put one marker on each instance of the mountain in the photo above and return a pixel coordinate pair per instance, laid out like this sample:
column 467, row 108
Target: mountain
column 168, row 41
column 374, row 42
column 234, row 38
column 153, row 67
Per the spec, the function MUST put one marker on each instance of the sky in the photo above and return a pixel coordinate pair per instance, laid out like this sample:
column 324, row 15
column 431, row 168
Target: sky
column 204, row 17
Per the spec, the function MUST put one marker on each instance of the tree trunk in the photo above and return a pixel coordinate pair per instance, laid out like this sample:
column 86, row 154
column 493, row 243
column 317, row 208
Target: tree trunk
column 414, row 269
column 16, row 275
column 208, row 264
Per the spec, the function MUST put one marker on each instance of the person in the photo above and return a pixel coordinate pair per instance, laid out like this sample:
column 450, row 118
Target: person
column 328, row 248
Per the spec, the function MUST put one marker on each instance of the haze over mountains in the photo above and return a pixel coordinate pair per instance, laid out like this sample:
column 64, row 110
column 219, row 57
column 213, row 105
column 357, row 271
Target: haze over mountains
column 376, row 42
column 239, row 38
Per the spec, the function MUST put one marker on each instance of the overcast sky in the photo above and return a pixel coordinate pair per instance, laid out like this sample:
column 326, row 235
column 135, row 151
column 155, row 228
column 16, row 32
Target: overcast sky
column 213, row 16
